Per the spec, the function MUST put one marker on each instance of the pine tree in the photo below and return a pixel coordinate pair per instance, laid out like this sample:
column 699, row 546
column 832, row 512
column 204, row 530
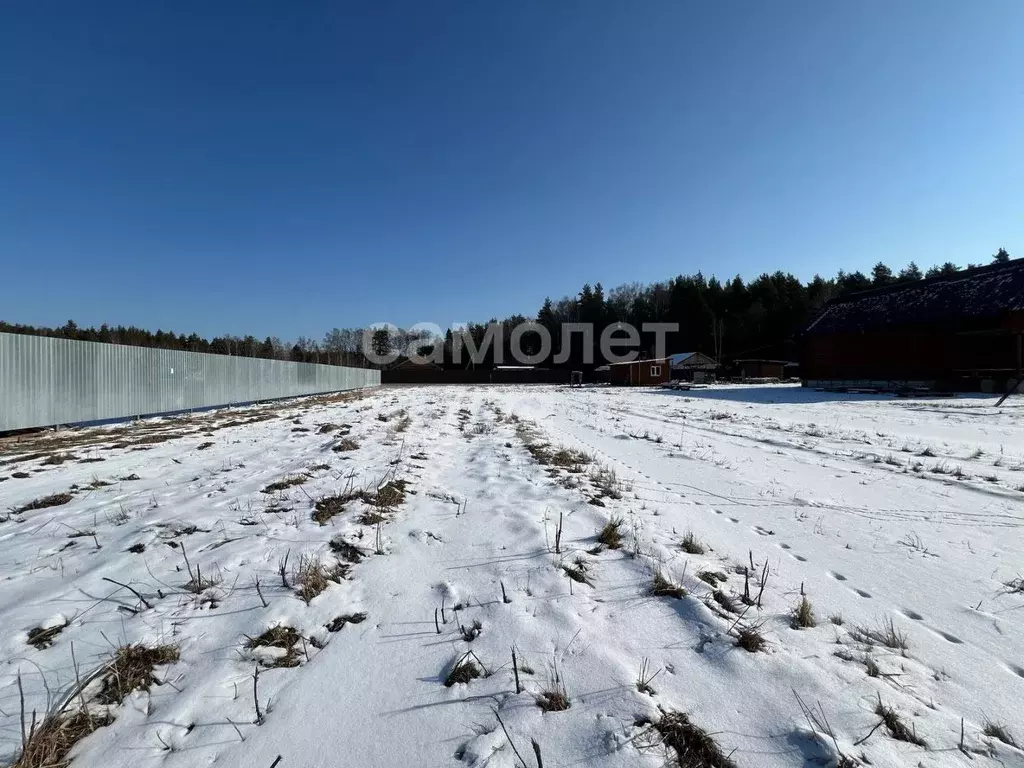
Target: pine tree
column 380, row 342
column 881, row 275
column 852, row 282
column 910, row 273
column 947, row 269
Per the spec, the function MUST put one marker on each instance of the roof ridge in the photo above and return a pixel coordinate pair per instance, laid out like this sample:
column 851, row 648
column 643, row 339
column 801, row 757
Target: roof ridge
column 973, row 294
column 963, row 274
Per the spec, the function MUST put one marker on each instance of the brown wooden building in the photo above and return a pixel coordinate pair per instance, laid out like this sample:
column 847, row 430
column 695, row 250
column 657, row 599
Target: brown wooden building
column 405, row 371
column 640, row 373
column 692, row 366
column 959, row 332
column 751, row 368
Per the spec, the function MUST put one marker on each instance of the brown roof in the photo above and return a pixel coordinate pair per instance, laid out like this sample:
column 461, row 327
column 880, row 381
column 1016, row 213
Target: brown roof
column 962, row 297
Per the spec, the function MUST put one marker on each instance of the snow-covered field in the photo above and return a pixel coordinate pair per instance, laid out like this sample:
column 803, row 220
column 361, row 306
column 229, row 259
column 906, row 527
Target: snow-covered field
column 422, row 524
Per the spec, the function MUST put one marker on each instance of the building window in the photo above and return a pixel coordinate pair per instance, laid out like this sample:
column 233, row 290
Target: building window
column 655, row 370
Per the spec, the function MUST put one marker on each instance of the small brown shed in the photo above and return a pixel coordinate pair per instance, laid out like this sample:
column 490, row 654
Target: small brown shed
column 762, row 369
column 640, row 373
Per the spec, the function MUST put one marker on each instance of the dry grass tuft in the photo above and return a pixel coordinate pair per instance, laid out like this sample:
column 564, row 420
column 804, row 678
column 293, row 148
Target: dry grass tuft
column 347, row 551
column 344, row 445
column 312, row 576
column 131, row 670
column 41, row 637
column 371, row 517
column 285, row 483
column 567, row 457
column 540, row 452
column 711, row 578
column 155, row 439
column 20, row 459
column 53, row 500
column 999, row 732
column 896, row 727
column 577, row 571
column 465, row 670
column 611, row 534
column 472, row 632
column 328, row 507
column 724, row 601
column 50, row 744
column 871, row 666
column 607, row 482
column 386, row 498
column 56, row 459
column 750, row 639
column 888, row 635
column 338, row 622
column 646, row 677
column 1015, row 586
column 199, row 583
column 662, row 586
column 280, row 637
column 391, row 494
column 554, row 700
column 691, row 545
column 694, row 748
column 803, row 615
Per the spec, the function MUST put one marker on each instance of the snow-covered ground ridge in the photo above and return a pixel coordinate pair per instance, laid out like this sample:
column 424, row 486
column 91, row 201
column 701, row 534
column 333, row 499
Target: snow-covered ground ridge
column 810, row 578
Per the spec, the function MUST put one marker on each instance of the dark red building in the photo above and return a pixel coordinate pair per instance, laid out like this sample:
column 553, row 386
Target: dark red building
column 763, row 369
column 641, row 373
column 960, row 332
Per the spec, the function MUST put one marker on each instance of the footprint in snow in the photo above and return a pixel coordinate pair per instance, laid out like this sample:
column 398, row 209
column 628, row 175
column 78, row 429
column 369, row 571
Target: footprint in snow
column 784, row 546
column 947, row 636
column 911, row 614
column 837, row 576
column 1019, row 671
column 862, row 593
column 801, row 558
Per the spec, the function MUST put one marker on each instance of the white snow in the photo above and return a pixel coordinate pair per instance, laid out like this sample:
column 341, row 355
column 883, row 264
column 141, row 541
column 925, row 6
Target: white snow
column 883, row 510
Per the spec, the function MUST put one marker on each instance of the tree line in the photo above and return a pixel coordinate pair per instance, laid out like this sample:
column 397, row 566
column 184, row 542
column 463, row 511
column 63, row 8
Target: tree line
column 724, row 319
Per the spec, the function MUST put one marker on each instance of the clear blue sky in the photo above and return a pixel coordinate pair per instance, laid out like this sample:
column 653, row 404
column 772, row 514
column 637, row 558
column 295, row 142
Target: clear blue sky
column 283, row 168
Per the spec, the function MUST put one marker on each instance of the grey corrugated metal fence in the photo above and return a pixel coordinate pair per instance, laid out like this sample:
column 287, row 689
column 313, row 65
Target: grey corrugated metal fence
column 45, row 381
